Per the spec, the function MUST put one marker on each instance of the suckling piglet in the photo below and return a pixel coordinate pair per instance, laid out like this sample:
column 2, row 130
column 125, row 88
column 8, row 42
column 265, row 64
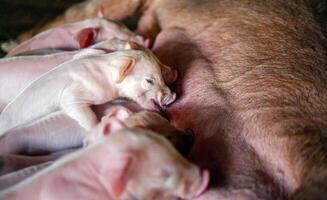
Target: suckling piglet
column 127, row 164
column 95, row 79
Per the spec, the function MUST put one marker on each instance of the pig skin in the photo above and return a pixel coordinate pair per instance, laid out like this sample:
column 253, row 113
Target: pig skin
column 18, row 72
column 252, row 88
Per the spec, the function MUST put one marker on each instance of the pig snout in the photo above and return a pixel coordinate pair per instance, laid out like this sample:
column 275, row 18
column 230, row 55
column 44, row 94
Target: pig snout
column 165, row 97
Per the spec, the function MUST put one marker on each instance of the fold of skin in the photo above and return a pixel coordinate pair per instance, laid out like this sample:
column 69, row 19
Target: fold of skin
column 252, row 87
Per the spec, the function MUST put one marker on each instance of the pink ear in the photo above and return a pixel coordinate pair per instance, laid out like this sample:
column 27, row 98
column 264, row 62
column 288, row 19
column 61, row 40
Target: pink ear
column 169, row 74
column 126, row 69
column 119, row 112
column 110, row 125
column 86, row 37
column 117, row 174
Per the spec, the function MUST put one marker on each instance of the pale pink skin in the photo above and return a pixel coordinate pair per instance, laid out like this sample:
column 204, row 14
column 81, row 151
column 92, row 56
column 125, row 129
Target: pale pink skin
column 66, row 37
column 16, row 73
column 129, row 163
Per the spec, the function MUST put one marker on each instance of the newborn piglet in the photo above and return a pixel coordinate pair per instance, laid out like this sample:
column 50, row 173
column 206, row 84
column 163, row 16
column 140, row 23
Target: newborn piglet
column 90, row 80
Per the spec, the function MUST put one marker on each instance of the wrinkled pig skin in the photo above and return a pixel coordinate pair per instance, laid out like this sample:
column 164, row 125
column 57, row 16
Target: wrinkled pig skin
column 76, row 35
column 252, row 88
column 134, row 164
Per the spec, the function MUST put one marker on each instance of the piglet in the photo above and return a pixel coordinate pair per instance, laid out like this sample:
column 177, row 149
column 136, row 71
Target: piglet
column 145, row 119
column 76, row 36
column 127, row 164
column 75, row 85
column 18, row 72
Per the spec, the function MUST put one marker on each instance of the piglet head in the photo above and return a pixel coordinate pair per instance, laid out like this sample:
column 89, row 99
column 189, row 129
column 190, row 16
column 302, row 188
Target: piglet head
column 144, row 165
column 160, row 172
column 142, row 79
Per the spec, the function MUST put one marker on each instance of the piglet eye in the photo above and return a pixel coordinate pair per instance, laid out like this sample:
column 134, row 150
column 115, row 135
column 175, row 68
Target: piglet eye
column 149, row 81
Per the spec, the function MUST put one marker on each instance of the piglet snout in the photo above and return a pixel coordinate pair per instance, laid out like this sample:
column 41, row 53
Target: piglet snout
column 166, row 98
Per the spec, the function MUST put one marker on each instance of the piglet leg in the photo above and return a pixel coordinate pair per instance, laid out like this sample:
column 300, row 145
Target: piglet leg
column 76, row 105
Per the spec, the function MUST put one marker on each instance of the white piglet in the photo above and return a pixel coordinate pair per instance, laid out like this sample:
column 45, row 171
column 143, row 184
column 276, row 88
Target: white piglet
column 91, row 80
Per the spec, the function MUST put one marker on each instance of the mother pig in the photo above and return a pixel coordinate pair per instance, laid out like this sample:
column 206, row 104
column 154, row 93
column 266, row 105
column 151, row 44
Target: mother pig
column 255, row 73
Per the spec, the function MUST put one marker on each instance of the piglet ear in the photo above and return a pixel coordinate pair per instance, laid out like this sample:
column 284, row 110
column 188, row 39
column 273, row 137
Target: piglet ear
column 111, row 124
column 169, row 74
column 131, row 45
column 86, row 37
column 123, row 65
column 119, row 112
column 117, row 174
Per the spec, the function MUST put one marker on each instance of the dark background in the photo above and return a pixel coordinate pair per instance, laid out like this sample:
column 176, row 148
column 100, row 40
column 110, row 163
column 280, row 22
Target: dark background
column 17, row 16
column 21, row 15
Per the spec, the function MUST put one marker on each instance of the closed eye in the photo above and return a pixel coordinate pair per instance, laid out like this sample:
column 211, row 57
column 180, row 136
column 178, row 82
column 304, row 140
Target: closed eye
column 150, row 81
